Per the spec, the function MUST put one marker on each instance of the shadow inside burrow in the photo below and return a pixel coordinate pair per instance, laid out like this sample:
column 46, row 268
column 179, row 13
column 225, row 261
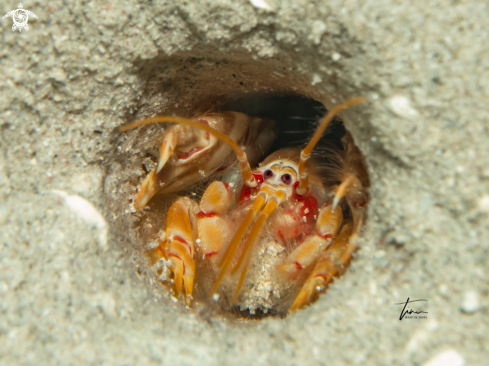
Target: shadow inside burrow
column 296, row 116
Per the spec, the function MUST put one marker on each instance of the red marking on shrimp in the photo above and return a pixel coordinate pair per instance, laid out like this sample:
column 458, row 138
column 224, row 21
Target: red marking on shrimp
column 299, row 197
column 324, row 277
column 310, row 208
column 281, row 235
column 246, row 191
column 183, row 241
column 196, row 150
column 203, row 214
column 180, row 239
column 359, row 204
column 190, row 153
column 326, row 236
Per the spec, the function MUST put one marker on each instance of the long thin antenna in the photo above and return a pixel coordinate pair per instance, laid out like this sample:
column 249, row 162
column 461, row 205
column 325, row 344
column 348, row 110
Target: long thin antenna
column 306, row 152
column 276, row 198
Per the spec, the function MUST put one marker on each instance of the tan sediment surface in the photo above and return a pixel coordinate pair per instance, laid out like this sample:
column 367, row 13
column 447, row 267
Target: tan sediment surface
column 69, row 293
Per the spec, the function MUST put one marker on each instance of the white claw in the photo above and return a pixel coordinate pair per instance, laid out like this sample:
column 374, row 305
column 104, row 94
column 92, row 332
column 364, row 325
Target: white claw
column 341, row 190
column 164, row 156
column 167, row 147
column 336, row 200
column 144, row 200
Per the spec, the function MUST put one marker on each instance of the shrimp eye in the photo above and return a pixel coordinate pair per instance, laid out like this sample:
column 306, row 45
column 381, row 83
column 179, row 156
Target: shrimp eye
column 287, row 178
column 268, row 174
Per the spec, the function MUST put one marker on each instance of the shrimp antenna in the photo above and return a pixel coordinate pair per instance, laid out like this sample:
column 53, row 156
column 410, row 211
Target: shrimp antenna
column 306, row 152
column 244, row 165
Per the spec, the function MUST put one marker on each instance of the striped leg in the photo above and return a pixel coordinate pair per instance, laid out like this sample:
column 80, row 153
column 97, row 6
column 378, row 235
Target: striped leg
column 327, row 225
column 329, row 264
column 213, row 229
column 181, row 234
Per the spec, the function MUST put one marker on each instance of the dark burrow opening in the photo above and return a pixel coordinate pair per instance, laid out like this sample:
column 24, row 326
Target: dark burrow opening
column 264, row 292
column 297, row 118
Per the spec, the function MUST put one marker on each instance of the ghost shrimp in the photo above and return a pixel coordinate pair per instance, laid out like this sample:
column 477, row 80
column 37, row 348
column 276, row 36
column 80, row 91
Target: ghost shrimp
column 283, row 207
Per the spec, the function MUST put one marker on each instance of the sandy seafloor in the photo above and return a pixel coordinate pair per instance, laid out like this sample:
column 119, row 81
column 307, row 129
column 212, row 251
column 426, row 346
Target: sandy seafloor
column 69, row 293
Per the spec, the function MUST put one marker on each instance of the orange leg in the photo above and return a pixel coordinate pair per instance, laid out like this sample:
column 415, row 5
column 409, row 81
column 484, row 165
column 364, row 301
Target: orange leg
column 331, row 263
column 188, row 224
column 354, row 187
column 356, row 196
column 354, row 183
column 213, row 229
column 327, row 226
column 181, row 233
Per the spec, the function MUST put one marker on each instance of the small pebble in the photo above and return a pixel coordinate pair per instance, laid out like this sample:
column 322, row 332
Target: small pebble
column 401, row 106
column 484, row 203
column 336, row 56
column 470, row 303
column 316, row 79
column 447, row 358
column 260, row 4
